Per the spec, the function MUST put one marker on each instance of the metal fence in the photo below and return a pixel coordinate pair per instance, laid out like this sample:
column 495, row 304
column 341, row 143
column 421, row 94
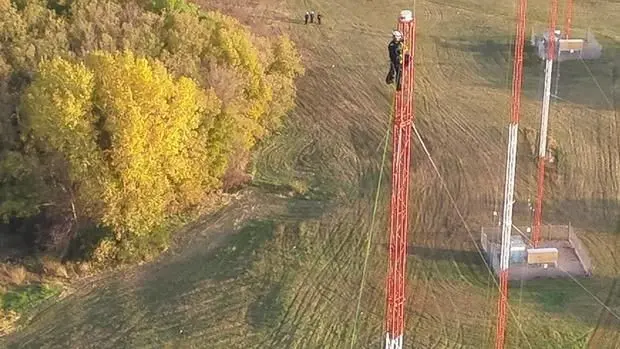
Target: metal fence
column 484, row 241
column 554, row 232
column 591, row 48
column 494, row 254
column 490, row 241
column 547, row 232
column 581, row 251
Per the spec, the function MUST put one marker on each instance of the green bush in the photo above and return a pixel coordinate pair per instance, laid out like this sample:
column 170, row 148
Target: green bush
column 27, row 297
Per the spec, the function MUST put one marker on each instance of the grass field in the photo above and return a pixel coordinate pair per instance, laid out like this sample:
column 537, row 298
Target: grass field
column 282, row 270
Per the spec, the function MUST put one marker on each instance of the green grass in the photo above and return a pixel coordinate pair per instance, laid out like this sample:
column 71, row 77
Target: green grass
column 27, row 297
column 268, row 309
column 552, row 300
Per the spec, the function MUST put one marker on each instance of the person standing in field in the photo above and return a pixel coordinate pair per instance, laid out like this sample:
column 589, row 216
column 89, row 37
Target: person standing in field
column 318, row 18
column 306, row 16
column 311, row 16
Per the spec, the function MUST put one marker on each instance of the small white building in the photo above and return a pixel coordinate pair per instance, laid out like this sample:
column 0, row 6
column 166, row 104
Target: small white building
column 567, row 49
column 543, row 256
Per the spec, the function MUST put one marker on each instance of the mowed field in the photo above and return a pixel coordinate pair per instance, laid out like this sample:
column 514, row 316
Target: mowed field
column 275, row 270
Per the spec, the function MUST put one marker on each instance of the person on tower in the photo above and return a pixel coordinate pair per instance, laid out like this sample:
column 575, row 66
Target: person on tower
column 396, row 53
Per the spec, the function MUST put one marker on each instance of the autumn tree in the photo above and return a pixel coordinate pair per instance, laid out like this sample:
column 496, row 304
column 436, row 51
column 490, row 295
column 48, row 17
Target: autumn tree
column 131, row 139
column 28, row 32
column 253, row 76
column 139, row 144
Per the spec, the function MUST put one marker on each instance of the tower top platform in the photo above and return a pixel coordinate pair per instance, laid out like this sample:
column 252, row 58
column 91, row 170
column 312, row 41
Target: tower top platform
column 405, row 16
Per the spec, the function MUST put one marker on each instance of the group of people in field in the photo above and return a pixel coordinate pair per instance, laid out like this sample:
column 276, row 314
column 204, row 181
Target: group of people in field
column 309, row 16
column 395, row 50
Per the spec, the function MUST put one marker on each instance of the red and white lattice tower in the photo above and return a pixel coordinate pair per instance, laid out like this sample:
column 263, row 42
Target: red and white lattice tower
column 568, row 19
column 517, row 76
column 552, row 47
column 401, row 160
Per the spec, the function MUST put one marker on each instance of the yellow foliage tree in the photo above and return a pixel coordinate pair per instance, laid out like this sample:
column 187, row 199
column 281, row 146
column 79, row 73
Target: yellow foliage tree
column 284, row 66
column 59, row 108
column 130, row 141
column 136, row 140
column 29, row 34
column 222, row 41
column 253, row 76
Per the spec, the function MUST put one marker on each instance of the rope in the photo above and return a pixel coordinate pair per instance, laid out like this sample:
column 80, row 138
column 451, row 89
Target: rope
column 609, row 103
column 369, row 240
column 458, row 211
column 518, row 316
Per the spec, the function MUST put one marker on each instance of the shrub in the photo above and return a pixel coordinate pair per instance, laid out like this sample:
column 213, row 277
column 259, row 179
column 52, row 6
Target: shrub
column 13, row 274
column 24, row 298
column 53, row 267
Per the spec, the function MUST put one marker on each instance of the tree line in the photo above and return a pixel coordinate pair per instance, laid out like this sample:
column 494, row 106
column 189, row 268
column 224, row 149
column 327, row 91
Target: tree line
column 119, row 116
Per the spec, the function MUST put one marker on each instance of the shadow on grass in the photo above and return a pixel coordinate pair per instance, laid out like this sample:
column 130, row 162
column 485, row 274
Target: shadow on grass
column 221, row 264
column 165, row 299
column 562, row 297
column 574, row 298
column 68, row 324
column 435, row 254
column 268, row 309
column 149, row 308
column 443, row 264
column 587, row 215
column 579, row 83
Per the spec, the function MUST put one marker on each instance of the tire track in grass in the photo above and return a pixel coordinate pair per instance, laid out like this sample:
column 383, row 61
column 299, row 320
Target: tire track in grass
column 331, row 263
column 436, row 307
column 419, row 304
column 274, row 340
column 601, row 335
column 319, row 281
column 296, row 295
